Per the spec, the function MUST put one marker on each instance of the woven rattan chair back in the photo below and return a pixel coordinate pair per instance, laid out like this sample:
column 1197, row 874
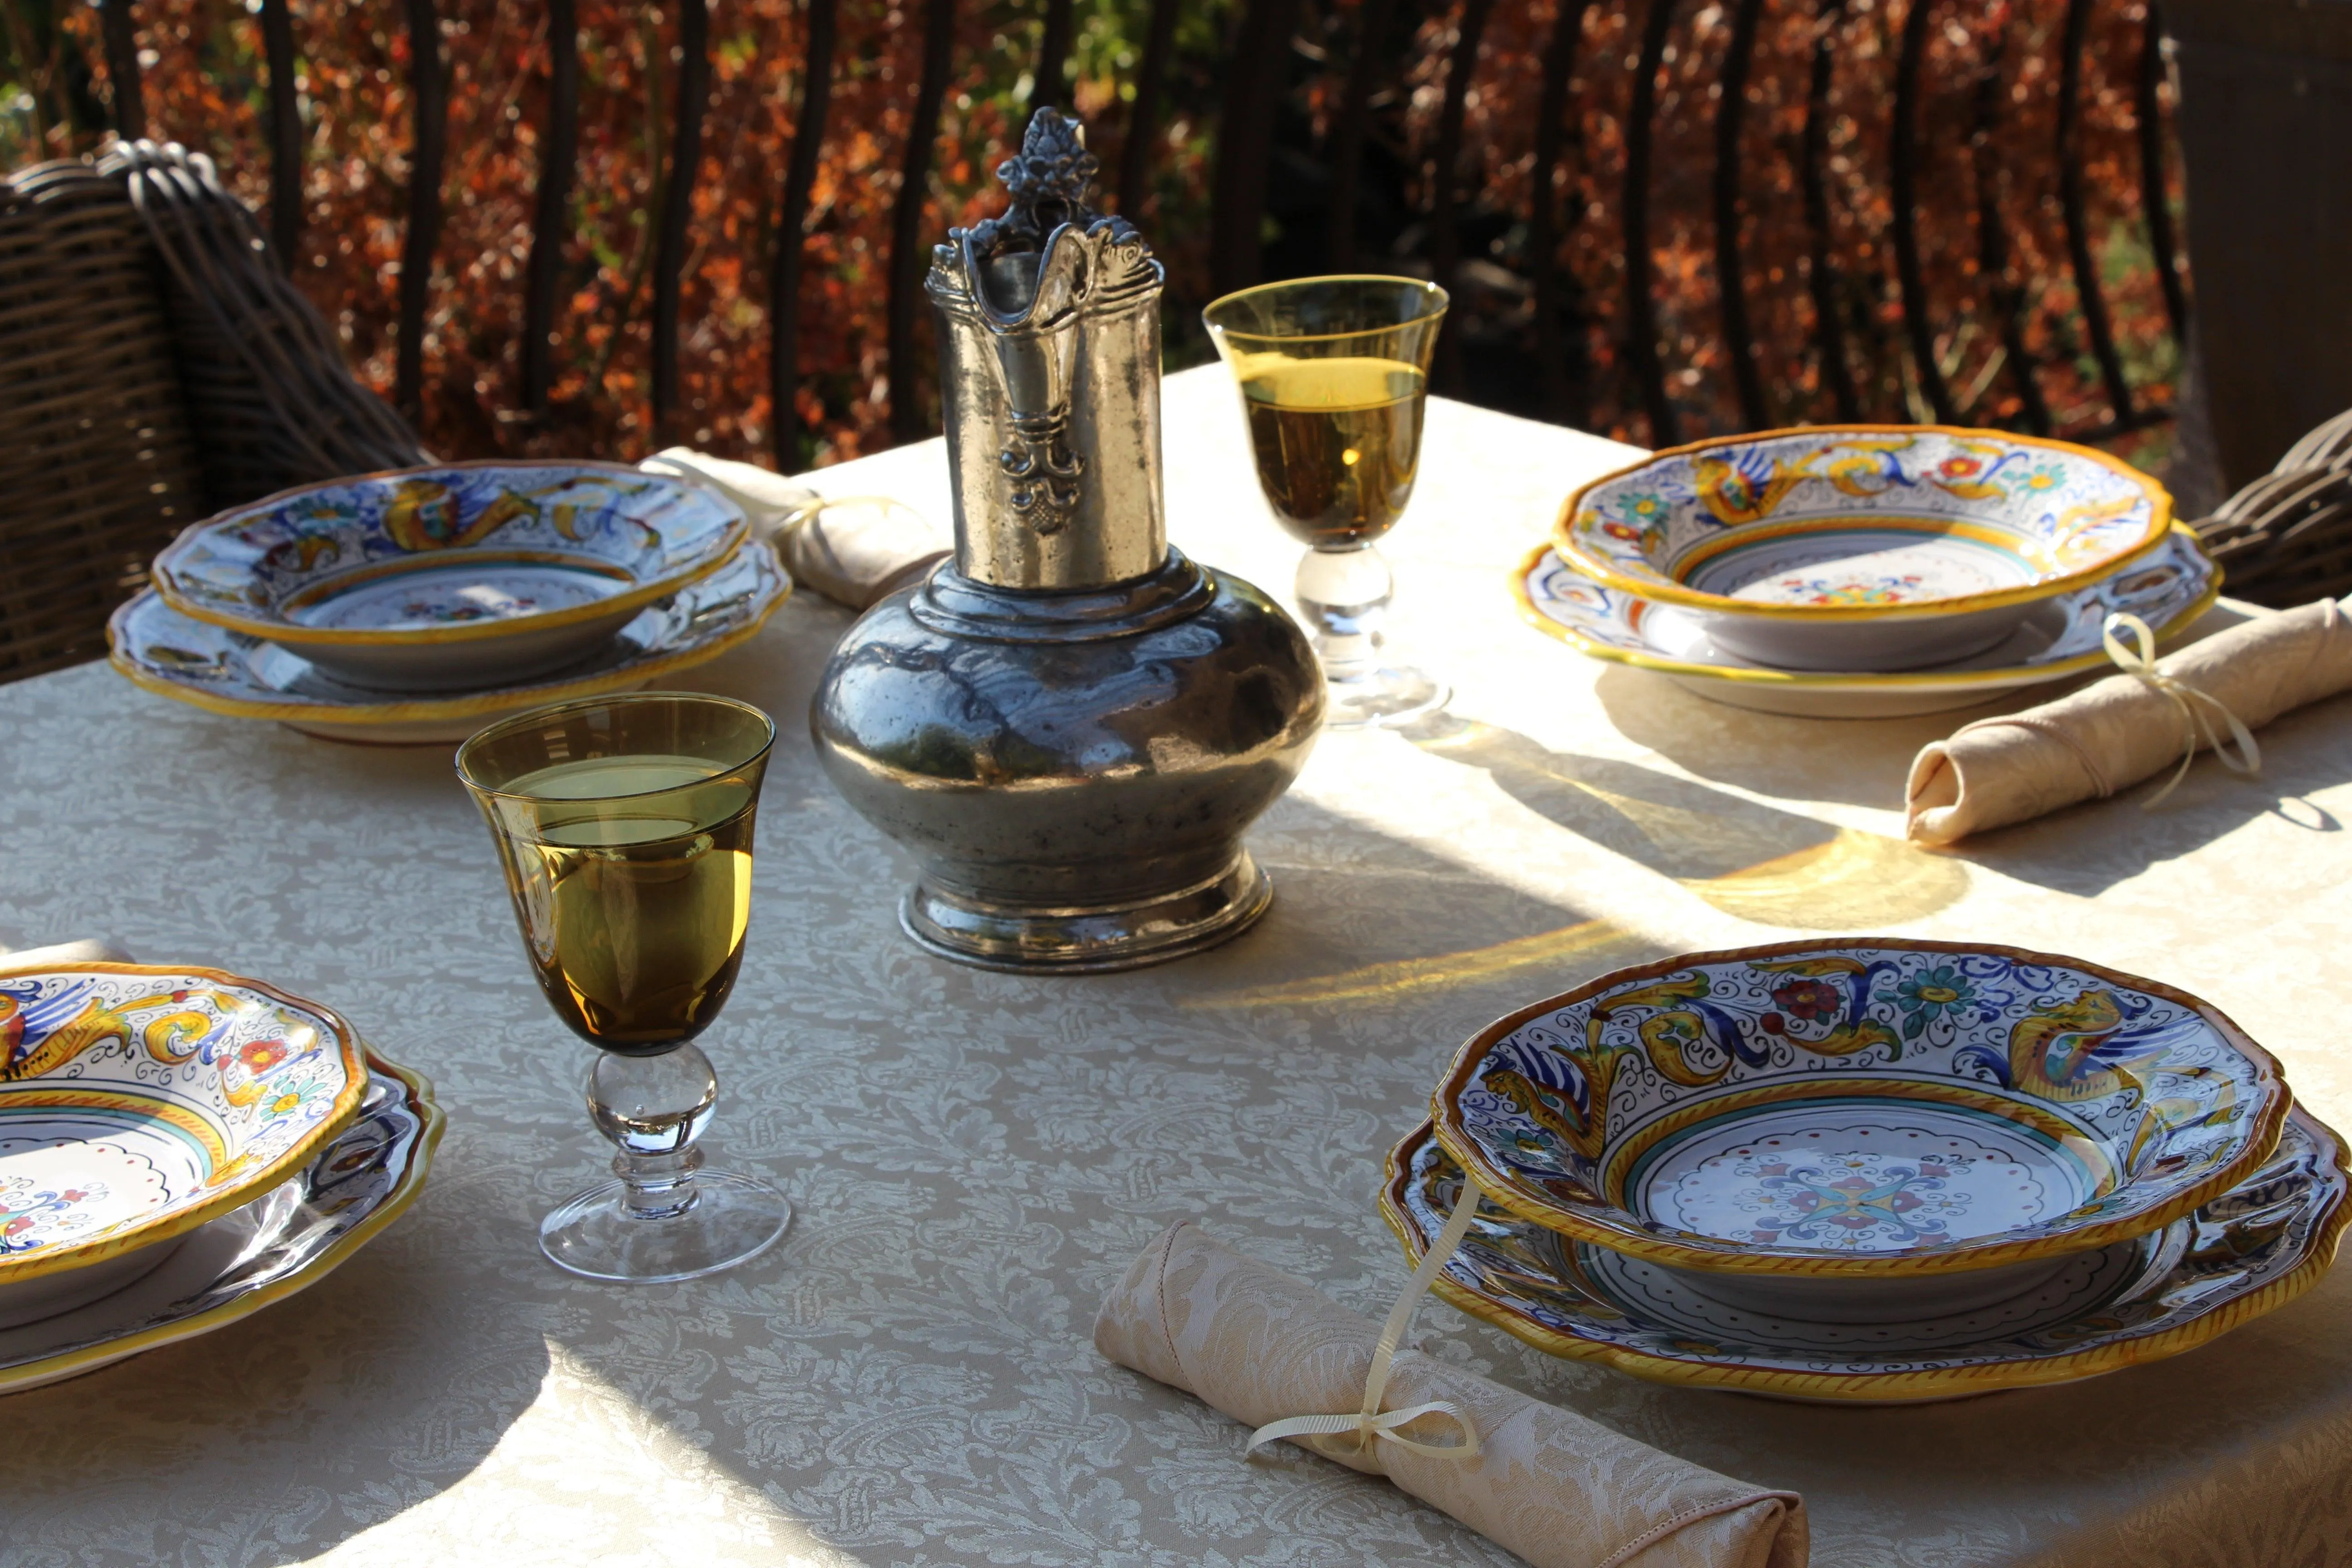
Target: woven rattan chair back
column 269, row 394
column 157, row 368
column 98, row 471
column 2286, row 539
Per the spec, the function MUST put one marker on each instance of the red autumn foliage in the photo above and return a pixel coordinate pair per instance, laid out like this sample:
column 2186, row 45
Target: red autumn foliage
column 1981, row 139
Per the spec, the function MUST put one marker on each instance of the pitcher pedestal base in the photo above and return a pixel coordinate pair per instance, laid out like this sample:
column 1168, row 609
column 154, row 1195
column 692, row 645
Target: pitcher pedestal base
column 1079, row 939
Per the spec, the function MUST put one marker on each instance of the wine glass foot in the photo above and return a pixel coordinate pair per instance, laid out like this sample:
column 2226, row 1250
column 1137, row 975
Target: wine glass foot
column 1384, row 698
column 731, row 1219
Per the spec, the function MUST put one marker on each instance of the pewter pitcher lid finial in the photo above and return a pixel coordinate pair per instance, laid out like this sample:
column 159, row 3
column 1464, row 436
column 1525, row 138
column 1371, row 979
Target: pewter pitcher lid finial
column 1050, row 252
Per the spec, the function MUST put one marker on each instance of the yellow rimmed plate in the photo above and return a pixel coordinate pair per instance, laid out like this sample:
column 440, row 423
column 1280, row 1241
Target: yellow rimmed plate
column 2058, row 639
column 1862, row 547
column 140, row 1101
column 455, row 575
column 1864, row 1112
column 230, row 673
column 282, row 1243
column 2241, row 1254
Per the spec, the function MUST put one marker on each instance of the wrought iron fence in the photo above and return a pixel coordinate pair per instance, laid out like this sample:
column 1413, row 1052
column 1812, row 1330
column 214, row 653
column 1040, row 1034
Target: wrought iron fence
column 1661, row 217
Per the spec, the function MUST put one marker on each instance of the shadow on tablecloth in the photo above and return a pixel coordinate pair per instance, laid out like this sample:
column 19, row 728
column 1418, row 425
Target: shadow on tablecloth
column 1748, row 859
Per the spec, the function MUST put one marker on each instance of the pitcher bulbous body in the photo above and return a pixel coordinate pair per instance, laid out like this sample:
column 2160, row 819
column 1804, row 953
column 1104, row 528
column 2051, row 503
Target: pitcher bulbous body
column 1070, row 724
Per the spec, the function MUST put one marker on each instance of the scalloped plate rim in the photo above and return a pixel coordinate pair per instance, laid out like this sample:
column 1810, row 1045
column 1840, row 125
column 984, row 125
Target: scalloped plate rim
column 2161, row 518
column 177, row 1222
column 1992, row 682
column 736, row 535
column 31, row 1375
column 1960, row 1257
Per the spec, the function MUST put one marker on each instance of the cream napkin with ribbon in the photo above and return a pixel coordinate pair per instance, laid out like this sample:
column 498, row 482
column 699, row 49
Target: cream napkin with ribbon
column 853, row 549
column 2129, row 727
column 1561, row 1491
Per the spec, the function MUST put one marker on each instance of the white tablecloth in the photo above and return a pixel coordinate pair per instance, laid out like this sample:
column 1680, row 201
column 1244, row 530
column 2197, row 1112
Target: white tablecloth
column 976, row 1157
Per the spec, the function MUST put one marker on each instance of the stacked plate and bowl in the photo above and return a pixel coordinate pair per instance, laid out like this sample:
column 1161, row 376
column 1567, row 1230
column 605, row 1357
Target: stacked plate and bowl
column 1877, row 1172
column 418, row 605
column 180, row 1147
column 1864, row 571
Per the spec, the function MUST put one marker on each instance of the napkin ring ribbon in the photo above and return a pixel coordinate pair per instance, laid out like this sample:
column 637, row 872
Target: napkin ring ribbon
column 1371, row 1423
column 2140, row 661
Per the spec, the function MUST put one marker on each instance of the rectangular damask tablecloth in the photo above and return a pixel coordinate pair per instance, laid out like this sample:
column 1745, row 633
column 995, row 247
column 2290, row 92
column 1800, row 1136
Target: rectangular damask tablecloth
column 976, row 1157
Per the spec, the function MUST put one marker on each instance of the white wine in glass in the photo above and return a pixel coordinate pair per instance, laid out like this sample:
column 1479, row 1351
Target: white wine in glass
column 624, row 824
column 1337, row 442
column 639, row 892
column 1333, row 375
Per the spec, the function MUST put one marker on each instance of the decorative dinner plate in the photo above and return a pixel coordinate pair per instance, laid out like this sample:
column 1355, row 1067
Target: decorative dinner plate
column 1862, row 547
column 2059, row 636
column 462, row 575
column 2242, row 1253
column 138, row 1101
column 229, row 672
column 288, row 1239
column 1875, row 1110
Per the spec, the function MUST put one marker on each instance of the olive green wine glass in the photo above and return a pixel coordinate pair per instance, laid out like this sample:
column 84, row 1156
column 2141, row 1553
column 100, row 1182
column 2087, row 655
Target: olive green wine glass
column 1334, row 374
column 624, row 826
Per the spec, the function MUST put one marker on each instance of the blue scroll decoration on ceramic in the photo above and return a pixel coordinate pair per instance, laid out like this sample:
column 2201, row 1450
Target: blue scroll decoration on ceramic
column 1860, row 1109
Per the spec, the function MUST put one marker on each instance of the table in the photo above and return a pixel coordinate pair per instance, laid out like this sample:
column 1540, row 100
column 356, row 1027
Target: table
column 975, row 1157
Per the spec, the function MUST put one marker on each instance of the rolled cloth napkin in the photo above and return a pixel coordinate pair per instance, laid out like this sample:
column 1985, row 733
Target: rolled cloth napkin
column 2126, row 728
column 853, row 549
column 1561, row 1491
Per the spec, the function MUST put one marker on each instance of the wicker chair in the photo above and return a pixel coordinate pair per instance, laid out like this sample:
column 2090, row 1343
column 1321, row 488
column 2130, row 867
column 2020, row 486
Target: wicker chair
column 158, row 367
column 2286, row 539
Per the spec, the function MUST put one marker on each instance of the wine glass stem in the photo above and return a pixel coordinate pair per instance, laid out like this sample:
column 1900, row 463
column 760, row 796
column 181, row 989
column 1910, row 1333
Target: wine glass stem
column 1343, row 595
column 658, row 1187
column 653, row 1109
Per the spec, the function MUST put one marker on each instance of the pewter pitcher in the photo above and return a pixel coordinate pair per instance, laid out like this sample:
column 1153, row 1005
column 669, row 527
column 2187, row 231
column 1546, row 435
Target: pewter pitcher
column 1070, row 724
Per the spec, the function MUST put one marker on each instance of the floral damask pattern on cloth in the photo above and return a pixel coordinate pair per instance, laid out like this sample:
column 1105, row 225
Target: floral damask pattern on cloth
column 906, row 1381
column 1562, row 1491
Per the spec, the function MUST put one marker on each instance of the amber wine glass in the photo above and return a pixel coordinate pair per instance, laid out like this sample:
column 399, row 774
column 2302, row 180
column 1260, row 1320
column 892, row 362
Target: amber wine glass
column 624, row 826
column 1334, row 373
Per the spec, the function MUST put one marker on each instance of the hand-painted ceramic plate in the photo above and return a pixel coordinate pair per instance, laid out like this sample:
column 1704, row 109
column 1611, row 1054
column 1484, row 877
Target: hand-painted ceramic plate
column 229, row 672
column 1862, row 547
column 2242, row 1253
column 2058, row 637
column 1867, row 1111
column 459, row 576
column 289, row 1239
column 138, row 1101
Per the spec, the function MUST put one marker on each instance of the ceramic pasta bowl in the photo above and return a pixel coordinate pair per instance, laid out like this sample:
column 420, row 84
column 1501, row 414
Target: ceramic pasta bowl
column 2058, row 637
column 284, row 1241
column 2240, row 1254
column 459, row 576
column 1862, row 547
column 229, row 672
column 139, row 1101
column 1859, row 1126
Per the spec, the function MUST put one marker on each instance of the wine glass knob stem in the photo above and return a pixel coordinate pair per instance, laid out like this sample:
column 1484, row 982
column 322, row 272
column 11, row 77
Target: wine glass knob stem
column 653, row 1109
column 1343, row 595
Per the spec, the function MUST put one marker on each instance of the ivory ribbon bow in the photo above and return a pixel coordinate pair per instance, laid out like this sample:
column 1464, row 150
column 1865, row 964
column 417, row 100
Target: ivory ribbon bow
column 2140, row 661
column 1370, row 1422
